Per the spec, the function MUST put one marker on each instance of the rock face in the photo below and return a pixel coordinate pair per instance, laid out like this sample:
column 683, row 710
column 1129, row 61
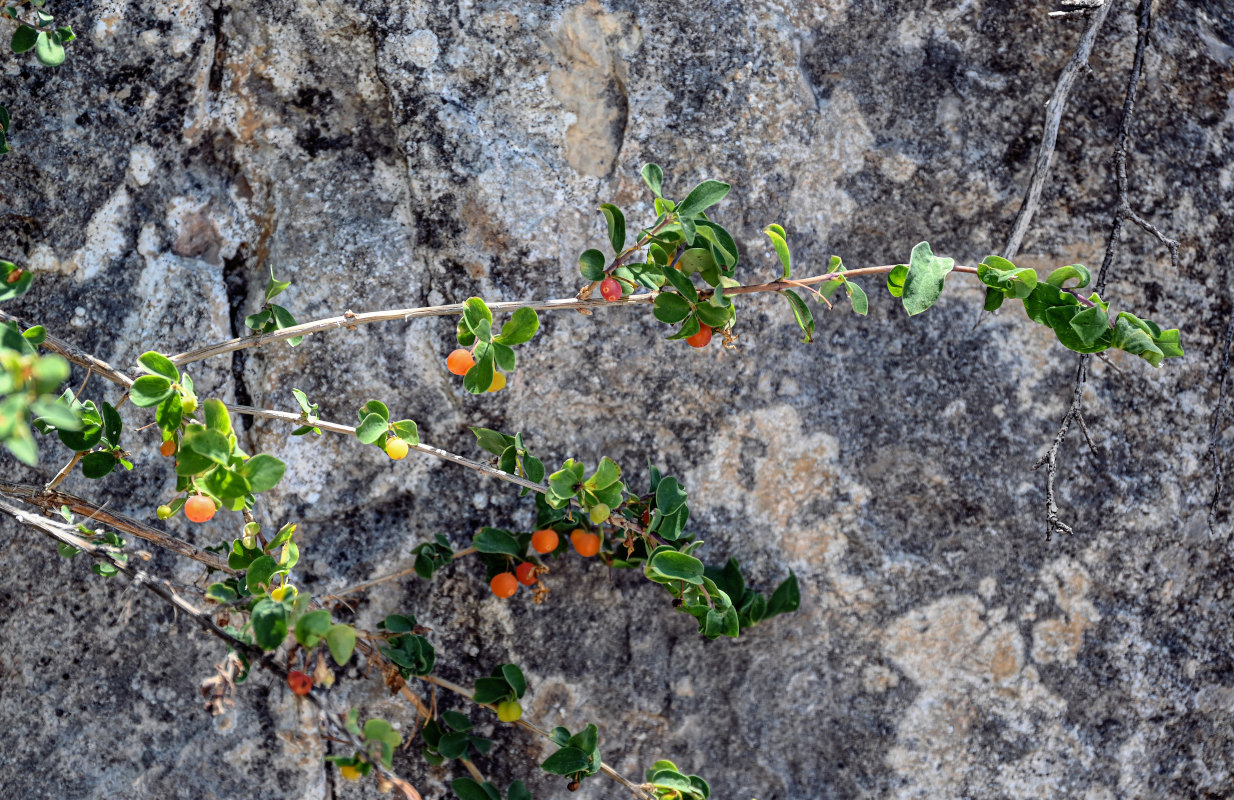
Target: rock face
column 408, row 153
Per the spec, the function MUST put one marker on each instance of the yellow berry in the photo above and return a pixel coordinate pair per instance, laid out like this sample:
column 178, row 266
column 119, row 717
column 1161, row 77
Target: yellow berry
column 396, row 448
column 499, row 382
column 509, row 711
column 349, row 772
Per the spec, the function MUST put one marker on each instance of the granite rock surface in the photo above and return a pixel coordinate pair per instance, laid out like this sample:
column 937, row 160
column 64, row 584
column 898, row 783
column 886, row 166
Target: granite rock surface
column 414, row 152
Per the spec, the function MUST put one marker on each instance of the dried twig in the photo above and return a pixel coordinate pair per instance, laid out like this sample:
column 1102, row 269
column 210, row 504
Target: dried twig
column 53, row 500
column 1049, row 136
column 1122, row 210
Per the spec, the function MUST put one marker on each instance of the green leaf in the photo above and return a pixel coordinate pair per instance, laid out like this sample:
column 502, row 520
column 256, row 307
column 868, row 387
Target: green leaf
column 258, row 321
column 591, row 265
column 616, row 226
column 566, row 761
column 671, row 565
column 467, row 789
column 312, row 627
column 682, row 283
column 48, row 49
column 713, row 316
column 263, row 472
column 217, row 418
column 1079, row 272
column 275, row 287
column 269, row 621
column 801, row 313
column 260, row 572
column 96, row 465
column 58, row 414
column 786, row 597
column 653, row 176
column 341, row 639
column 221, row 593
column 702, row 197
column 491, row 440
column 999, row 273
column 66, row 34
column 24, row 39
column 857, row 296
column 284, row 319
column 924, row 281
column 149, row 390
column 994, row 298
column 112, row 424
column 721, row 241
column 1090, row 324
column 407, row 430
column 208, row 444
column 895, row 280
column 669, row 495
column 520, row 328
column 696, row 259
column 670, row 308
column 607, row 473
column 514, row 677
column 778, row 241
column 480, row 376
column 159, row 364
column 517, row 791
column 372, row 428
column 492, row 540
column 491, row 690
column 4, row 119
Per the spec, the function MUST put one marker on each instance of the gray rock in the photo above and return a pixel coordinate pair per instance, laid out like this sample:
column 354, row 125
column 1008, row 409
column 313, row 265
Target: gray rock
column 398, row 154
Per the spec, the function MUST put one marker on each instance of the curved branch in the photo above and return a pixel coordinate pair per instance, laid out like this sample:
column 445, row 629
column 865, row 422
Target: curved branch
column 350, row 320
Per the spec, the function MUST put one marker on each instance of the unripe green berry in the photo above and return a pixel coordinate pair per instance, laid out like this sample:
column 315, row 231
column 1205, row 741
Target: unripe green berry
column 164, row 512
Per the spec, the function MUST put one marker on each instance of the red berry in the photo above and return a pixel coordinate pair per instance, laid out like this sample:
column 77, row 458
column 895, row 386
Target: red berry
column 199, row 509
column 700, row 339
column 460, row 361
column 544, row 541
column 526, row 573
column 168, row 448
column 299, row 683
column 504, row 585
column 610, row 289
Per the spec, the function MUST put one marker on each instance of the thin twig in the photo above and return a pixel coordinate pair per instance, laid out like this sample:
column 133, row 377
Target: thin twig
column 63, row 473
column 52, row 501
column 335, row 427
column 1122, row 209
column 1049, row 136
column 75, row 354
column 350, row 321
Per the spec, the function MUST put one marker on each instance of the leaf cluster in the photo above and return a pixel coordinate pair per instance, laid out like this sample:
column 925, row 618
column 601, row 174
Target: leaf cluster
column 490, row 350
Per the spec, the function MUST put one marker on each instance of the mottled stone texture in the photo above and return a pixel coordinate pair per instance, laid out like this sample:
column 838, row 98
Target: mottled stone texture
column 396, row 154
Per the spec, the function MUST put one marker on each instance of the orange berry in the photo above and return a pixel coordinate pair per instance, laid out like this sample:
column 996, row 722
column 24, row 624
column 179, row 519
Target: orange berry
column 544, row 541
column 199, row 508
column 700, row 339
column 168, row 448
column 610, row 289
column 587, row 544
column 526, row 573
column 459, row 362
column 299, row 683
column 504, row 585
